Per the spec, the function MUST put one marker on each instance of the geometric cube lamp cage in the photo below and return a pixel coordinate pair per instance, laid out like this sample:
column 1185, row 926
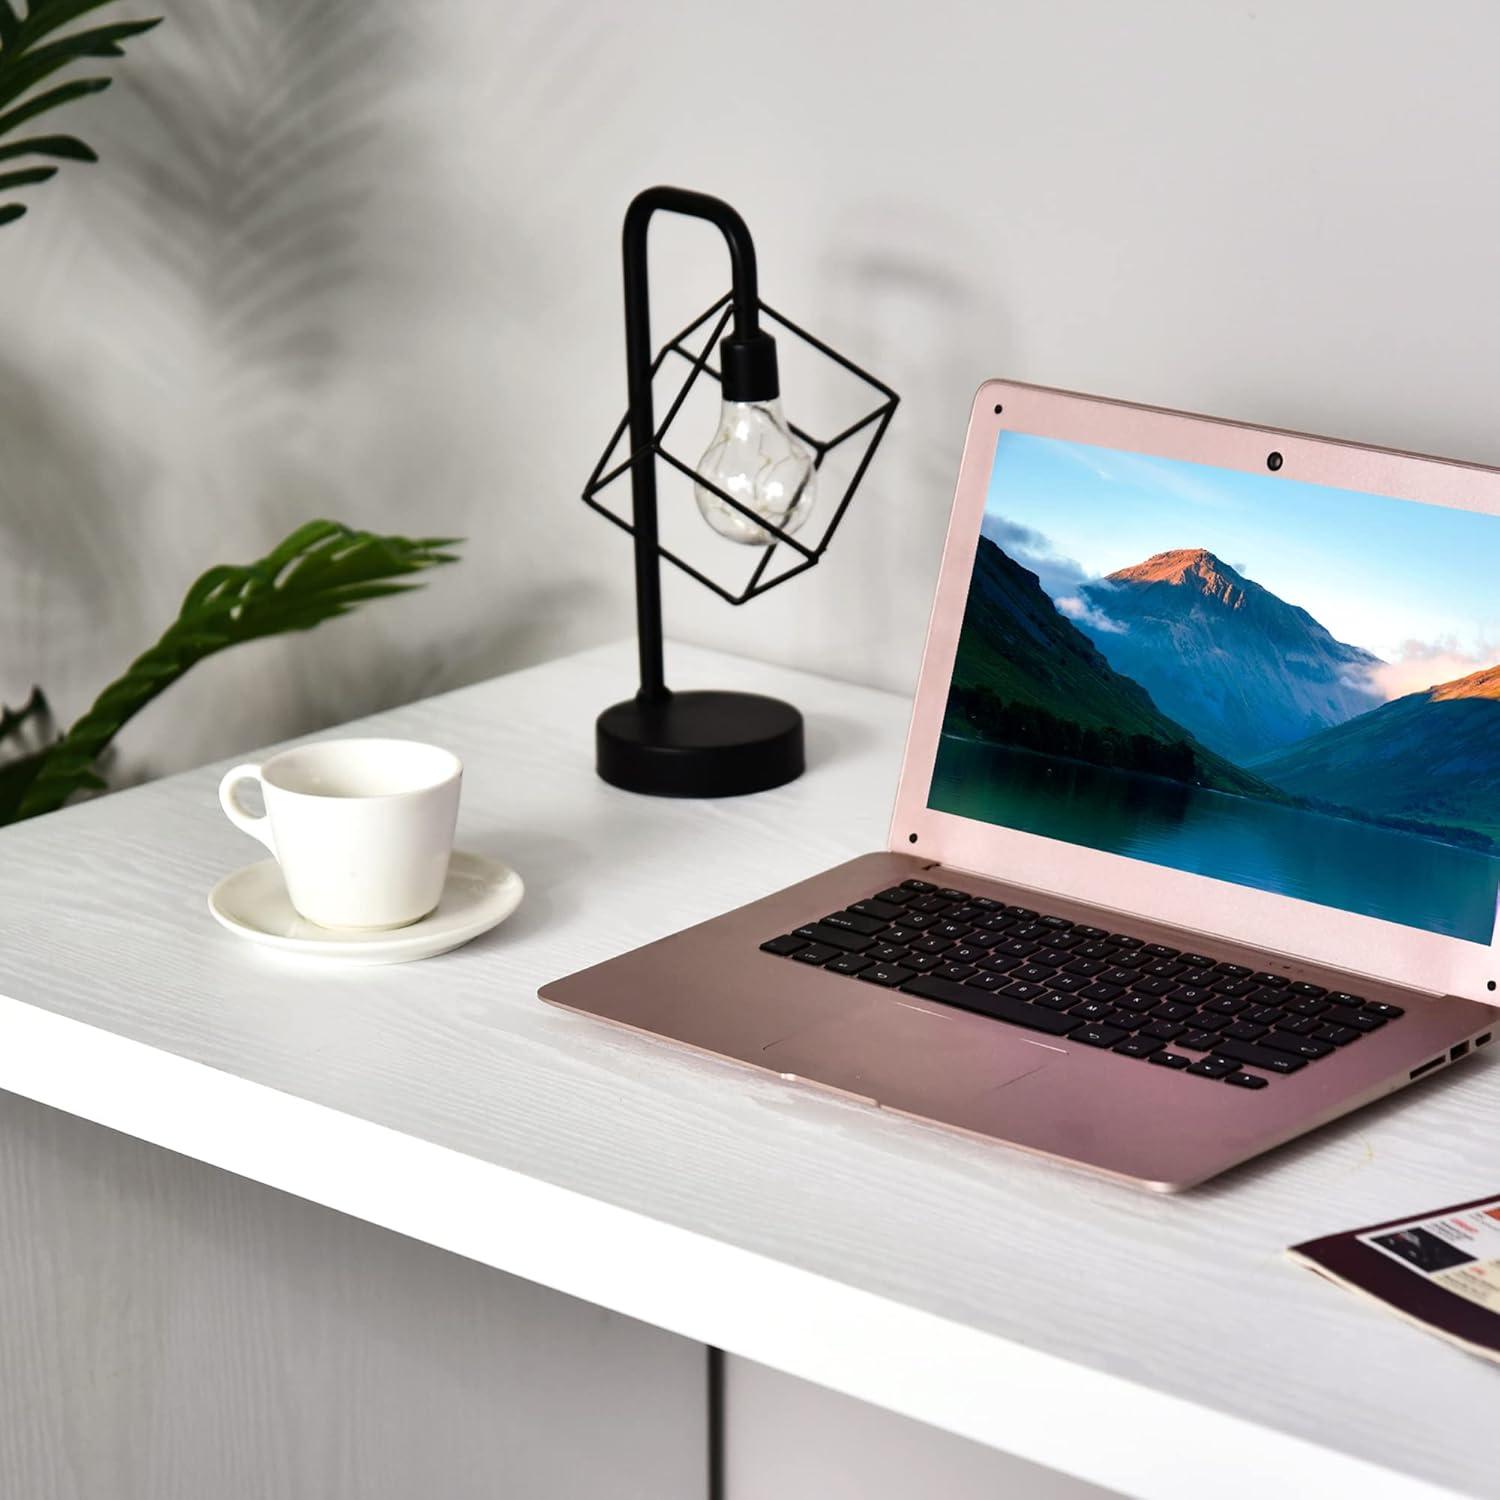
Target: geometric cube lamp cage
column 712, row 743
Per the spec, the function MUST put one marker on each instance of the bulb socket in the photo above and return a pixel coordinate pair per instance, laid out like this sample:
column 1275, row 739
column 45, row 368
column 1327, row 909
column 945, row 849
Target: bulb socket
column 749, row 368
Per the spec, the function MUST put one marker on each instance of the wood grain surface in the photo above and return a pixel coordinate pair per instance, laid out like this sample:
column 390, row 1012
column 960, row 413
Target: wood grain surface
column 1160, row 1347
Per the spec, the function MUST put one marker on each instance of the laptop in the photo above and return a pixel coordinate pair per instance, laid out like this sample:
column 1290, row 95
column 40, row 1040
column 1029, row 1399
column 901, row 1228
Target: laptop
column 1196, row 844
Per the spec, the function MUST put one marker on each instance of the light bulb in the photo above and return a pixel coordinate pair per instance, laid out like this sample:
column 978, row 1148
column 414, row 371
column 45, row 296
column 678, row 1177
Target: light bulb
column 756, row 458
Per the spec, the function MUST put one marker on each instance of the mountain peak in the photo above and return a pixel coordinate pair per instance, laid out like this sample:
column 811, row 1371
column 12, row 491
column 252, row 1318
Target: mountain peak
column 1178, row 566
column 1482, row 684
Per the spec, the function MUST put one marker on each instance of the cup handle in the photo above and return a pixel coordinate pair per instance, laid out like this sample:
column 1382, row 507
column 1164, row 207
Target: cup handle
column 234, row 809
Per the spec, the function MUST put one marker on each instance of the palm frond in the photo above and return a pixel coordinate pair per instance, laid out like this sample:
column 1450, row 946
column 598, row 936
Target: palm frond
column 31, row 51
column 323, row 570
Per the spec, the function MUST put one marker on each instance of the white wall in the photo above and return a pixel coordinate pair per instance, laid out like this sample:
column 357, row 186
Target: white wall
column 360, row 258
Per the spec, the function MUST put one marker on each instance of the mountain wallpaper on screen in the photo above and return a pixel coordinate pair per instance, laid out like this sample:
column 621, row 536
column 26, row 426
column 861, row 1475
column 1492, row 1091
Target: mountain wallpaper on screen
column 1025, row 676
column 1432, row 756
column 1243, row 670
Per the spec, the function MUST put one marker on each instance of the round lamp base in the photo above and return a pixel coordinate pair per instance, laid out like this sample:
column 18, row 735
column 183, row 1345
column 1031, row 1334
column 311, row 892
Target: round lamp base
column 700, row 745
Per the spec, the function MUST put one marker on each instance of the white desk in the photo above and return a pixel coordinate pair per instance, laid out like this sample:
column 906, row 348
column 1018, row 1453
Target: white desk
column 1162, row 1347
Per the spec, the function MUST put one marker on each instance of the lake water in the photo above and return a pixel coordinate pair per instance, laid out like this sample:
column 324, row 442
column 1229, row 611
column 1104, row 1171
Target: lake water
column 1378, row 872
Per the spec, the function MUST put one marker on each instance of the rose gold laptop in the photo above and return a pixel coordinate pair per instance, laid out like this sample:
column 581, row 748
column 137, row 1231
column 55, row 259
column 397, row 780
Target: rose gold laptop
column 1196, row 845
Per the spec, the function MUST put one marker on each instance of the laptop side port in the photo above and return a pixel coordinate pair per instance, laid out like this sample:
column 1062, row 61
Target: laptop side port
column 1427, row 1067
column 1482, row 1041
column 1454, row 1053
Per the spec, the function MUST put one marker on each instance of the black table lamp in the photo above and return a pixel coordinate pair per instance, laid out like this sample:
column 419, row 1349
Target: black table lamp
column 755, row 484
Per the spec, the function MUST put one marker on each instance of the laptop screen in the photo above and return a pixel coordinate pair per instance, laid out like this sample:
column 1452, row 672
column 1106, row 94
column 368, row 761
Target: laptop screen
column 1284, row 685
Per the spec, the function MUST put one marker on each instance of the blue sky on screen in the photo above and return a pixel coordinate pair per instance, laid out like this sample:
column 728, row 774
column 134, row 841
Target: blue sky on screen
column 1412, row 583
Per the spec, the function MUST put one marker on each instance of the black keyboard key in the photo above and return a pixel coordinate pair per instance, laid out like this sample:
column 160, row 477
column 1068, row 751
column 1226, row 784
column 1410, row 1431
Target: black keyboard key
column 1002, row 1007
column 1300, row 1025
column 1243, row 1031
column 1000, row 964
column 888, row 975
column 1032, row 973
column 1023, row 991
column 1238, row 988
column 1099, row 991
column 1135, row 959
column 968, row 913
column 1276, row 981
column 1048, row 959
column 922, row 962
column 1138, row 1046
column 1299, row 1046
column 1303, row 1005
column 1340, row 1036
column 848, row 963
column 995, row 924
column 1191, row 994
column 1017, row 948
column 1195, row 1040
column 958, row 931
column 1226, row 1005
column 1088, row 967
column 1160, row 988
column 851, row 921
column 1053, row 1001
column 1126, row 1020
column 1247, row 1081
column 983, row 981
column 882, row 911
column 923, row 886
column 1213, row 1067
column 1343, row 997
column 1231, row 971
column 1097, row 1034
column 1302, row 987
column 1170, row 1010
column 933, row 945
column 1067, row 983
column 888, row 953
column 1092, row 1010
column 784, row 946
column 1031, row 932
column 1170, row 1060
column 1144, row 1005
column 1262, row 1015
column 1160, row 950
column 1379, row 1008
column 956, row 972
column 1164, row 968
column 967, row 953
column 1089, row 932
column 1364, row 1021
column 1094, row 950
column 1164, row 1031
column 922, row 919
column 1124, row 940
column 949, row 894
column 815, row 953
column 1117, row 975
column 984, row 903
column 1258, row 1055
column 896, row 895
column 1061, row 924
column 1021, row 913
column 935, row 905
column 1064, row 942
column 1196, row 960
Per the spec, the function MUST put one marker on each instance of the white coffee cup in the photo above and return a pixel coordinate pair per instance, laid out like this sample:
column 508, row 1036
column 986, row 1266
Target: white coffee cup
column 362, row 829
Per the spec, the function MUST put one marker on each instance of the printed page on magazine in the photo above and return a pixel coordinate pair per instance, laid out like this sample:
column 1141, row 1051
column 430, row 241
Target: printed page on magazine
column 1440, row 1270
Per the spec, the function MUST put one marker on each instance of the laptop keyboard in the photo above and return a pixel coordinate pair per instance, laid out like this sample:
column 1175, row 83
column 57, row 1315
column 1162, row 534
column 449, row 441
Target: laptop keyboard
column 1183, row 1011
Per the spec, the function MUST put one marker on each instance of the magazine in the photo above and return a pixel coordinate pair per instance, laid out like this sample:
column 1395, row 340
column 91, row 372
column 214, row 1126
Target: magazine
column 1440, row 1271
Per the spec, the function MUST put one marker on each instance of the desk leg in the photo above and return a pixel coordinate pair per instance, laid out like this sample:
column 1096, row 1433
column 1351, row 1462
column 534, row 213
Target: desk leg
column 716, row 1489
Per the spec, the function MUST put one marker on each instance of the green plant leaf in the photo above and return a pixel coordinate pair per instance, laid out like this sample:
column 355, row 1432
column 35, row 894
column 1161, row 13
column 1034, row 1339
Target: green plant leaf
column 321, row 571
column 26, row 734
column 65, row 147
column 32, row 50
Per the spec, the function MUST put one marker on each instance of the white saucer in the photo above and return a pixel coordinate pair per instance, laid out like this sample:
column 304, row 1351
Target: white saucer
column 479, row 894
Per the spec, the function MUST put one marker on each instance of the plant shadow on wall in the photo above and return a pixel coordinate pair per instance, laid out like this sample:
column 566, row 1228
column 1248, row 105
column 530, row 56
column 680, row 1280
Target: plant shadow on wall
column 321, row 571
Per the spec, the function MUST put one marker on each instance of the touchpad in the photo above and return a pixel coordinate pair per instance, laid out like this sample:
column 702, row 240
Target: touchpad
column 895, row 1053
